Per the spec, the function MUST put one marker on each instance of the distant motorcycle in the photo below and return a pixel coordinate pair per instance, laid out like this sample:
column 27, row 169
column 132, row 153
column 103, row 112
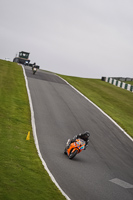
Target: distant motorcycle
column 75, row 148
column 34, row 70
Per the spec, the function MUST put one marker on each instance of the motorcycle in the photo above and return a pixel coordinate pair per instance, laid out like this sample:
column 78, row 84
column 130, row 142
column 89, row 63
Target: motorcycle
column 34, row 70
column 74, row 148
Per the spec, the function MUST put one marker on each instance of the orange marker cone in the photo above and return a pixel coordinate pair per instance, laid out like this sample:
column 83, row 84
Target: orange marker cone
column 28, row 136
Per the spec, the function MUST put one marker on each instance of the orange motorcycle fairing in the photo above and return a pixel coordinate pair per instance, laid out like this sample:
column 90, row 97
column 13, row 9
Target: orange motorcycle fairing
column 77, row 146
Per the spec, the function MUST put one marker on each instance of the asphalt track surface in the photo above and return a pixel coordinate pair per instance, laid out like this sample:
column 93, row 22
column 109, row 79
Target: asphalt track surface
column 104, row 171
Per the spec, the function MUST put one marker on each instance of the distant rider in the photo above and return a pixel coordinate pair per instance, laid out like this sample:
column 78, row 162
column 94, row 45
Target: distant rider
column 84, row 136
column 33, row 65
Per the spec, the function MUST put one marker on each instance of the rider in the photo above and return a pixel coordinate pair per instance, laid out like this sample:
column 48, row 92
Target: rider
column 84, row 136
column 33, row 65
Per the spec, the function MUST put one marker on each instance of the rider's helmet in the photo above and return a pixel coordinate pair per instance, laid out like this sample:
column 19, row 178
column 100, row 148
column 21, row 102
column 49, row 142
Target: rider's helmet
column 86, row 134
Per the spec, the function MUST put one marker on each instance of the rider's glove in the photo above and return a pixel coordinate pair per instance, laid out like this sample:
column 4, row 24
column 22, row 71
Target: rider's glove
column 73, row 140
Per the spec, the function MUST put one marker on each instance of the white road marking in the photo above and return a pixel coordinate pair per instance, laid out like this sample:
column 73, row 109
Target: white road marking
column 121, row 183
column 99, row 109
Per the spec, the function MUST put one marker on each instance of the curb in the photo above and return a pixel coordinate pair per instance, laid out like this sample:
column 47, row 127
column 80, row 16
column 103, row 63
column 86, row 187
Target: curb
column 99, row 110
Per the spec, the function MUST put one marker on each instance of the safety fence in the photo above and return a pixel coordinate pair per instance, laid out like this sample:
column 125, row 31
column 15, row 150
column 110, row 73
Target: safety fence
column 118, row 83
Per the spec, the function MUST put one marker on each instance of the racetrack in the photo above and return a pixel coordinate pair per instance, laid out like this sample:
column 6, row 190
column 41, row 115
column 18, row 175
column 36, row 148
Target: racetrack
column 105, row 169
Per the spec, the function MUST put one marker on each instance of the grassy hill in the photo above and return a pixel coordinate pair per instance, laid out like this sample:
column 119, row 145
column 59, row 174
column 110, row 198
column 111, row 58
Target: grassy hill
column 129, row 82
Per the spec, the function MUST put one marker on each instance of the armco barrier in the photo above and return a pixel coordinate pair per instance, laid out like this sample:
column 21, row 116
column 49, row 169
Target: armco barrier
column 118, row 83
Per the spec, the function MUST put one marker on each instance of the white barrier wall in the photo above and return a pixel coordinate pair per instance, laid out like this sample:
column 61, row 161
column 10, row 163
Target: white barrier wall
column 119, row 83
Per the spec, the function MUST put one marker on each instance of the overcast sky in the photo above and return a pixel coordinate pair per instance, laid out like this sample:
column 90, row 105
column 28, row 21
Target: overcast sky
column 85, row 38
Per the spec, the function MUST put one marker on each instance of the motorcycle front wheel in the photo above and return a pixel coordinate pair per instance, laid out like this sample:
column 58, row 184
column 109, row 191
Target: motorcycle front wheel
column 65, row 151
column 73, row 154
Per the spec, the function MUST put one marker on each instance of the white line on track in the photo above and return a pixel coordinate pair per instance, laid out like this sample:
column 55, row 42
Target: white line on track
column 100, row 110
column 121, row 183
column 36, row 140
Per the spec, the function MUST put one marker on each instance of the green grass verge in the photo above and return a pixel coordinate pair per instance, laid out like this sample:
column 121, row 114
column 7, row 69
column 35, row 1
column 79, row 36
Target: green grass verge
column 22, row 175
column 129, row 82
column 116, row 102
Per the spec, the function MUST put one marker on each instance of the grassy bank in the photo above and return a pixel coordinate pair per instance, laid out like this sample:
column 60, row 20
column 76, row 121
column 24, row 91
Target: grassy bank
column 22, row 175
column 129, row 82
column 116, row 102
